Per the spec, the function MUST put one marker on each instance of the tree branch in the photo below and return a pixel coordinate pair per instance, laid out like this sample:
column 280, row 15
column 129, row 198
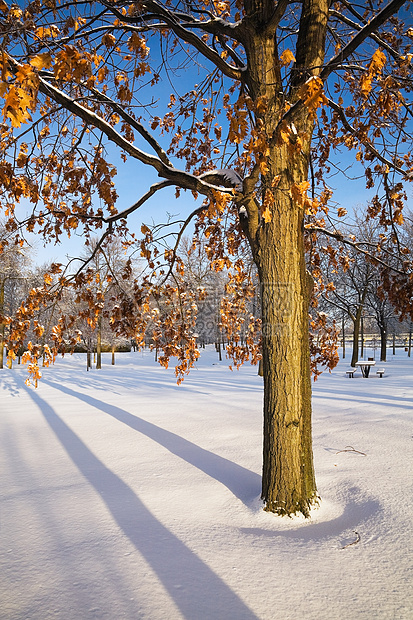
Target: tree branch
column 172, row 21
column 365, row 32
column 178, row 177
column 366, row 144
column 354, row 244
column 134, row 124
column 375, row 37
column 152, row 190
column 277, row 16
column 179, row 237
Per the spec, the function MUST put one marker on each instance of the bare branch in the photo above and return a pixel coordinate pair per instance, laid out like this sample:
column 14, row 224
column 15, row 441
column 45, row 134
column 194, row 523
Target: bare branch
column 180, row 30
column 135, row 125
column 354, row 244
column 356, row 26
column 87, row 260
column 354, row 541
column 351, row 449
column 365, row 32
column 365, row 143
column 179, row 237
column 152, row 190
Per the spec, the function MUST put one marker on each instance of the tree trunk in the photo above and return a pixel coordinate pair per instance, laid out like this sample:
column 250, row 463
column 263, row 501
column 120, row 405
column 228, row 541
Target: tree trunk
column 344, row 337
column 410, row 341
column 394, row 343
column 383, row 344
column 113, row 354
column 277, row 245
column 362, row 337
column 288, row 484
column 99, row 345
column 2, row 330
column 355, row 353
column 2, row 325
column 356, row 336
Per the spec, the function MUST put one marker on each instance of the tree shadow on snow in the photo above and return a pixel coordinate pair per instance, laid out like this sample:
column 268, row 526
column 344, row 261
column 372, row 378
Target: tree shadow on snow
column 243, row 483
column 46, row 570
column 193, row 586
column 164, row 378
column 385, row 400
column 354, row 514
column 8, row 385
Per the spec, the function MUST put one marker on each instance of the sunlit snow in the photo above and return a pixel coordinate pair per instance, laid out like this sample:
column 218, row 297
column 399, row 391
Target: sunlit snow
column 126, row 496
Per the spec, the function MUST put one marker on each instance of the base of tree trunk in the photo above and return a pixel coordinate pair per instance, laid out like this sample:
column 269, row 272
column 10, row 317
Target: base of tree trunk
column 303, row 507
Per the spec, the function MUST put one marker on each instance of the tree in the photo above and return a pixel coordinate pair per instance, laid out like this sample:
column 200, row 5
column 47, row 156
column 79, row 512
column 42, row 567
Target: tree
column 270, row 92
column 11, row 279
column 104, row 266
column 382, row 311
column 353, row 282
column 207, row 287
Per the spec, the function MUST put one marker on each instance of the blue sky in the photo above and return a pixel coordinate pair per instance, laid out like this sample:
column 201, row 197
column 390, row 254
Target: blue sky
column 133, row 179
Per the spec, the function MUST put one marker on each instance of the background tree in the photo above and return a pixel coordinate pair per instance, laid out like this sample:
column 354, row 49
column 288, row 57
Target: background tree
column 382, row 311
column 12, row 278
column 104, row 264
column 271, row 91
column 208, row 289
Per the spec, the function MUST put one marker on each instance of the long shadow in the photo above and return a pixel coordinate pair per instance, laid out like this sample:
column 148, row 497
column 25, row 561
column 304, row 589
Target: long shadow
column 8, row 384
column 163, row 379
column 243, row 483
column 376, row 400
column 192, row 585
column 46, row 531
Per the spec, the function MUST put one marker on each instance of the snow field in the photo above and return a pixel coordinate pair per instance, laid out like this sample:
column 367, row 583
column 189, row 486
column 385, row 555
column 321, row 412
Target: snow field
column 126, row 496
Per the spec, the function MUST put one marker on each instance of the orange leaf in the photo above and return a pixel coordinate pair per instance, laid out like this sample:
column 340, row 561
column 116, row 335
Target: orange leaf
column 286, row 58
column 376, row 65
column 50, row 31
column 312, row 93
column 299, row 192
column 267, row 215
column 41, row 61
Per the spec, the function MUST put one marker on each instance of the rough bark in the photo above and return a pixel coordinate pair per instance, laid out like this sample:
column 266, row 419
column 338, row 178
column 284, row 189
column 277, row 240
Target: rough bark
column 362, row 337
column 288, row 473
column 288, row 484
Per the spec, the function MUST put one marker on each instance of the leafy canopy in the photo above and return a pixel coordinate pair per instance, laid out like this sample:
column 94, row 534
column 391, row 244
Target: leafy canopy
column 182, row 89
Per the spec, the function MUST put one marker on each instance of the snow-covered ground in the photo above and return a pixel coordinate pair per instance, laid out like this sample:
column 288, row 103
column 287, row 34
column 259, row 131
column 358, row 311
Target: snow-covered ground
column 126, row 496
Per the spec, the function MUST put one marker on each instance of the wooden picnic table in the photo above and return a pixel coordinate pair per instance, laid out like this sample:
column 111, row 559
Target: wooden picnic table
column 365, row 366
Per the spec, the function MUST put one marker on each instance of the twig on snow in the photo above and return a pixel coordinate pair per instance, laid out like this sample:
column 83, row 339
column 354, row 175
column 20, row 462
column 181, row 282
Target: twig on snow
column 351, row 449
column 354, row 541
